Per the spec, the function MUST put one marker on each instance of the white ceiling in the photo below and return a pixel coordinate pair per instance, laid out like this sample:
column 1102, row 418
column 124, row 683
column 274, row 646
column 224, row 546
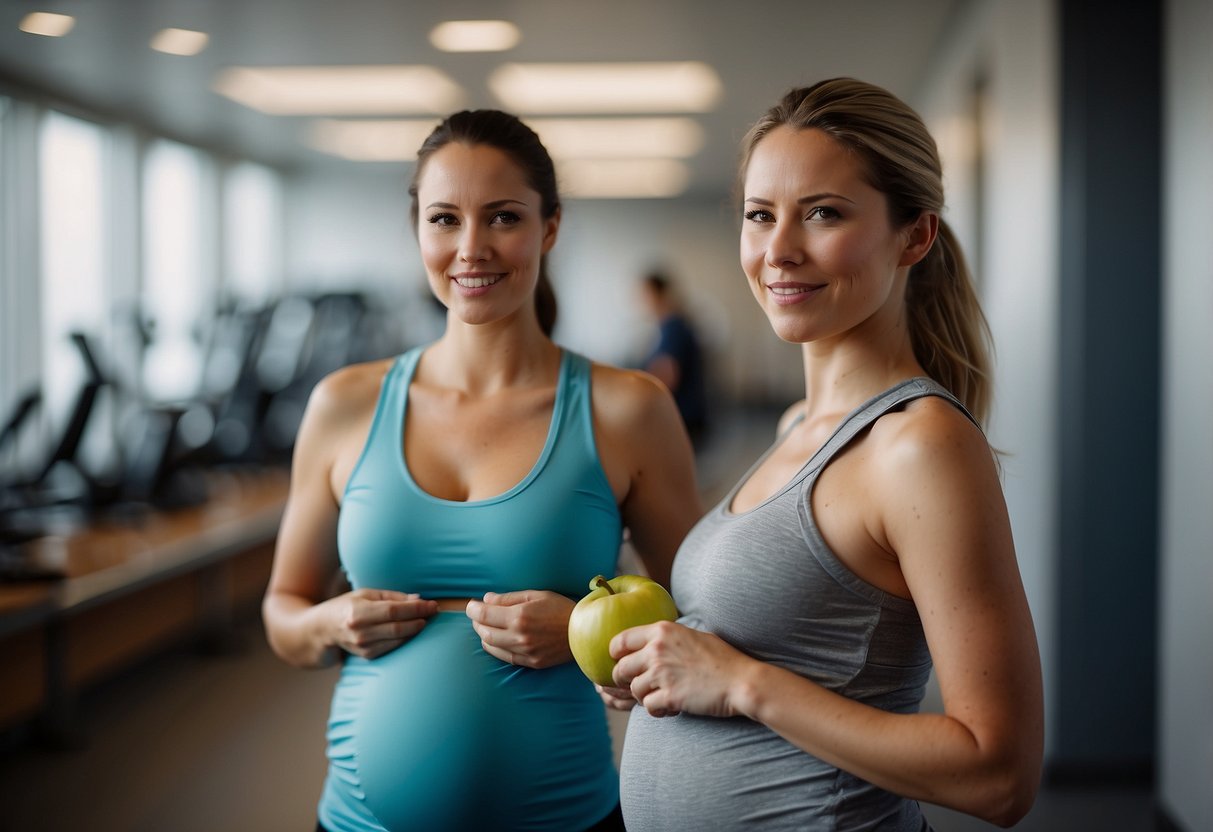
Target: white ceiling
column 759, row 49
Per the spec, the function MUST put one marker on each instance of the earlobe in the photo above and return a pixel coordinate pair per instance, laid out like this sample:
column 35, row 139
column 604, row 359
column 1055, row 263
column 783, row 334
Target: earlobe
column 920, row 236
column 550, row 227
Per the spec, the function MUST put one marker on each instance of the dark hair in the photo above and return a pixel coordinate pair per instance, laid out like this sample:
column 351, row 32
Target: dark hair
column 948, row 330
column 658, row 283
column 511, row 136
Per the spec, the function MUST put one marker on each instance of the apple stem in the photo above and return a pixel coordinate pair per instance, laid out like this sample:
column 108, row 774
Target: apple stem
column 603, row 582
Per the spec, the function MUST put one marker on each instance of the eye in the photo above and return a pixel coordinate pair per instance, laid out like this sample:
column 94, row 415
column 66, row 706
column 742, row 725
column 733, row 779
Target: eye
column 823, row 212
column 442, row 219
column 759, row 215
column 504, row 218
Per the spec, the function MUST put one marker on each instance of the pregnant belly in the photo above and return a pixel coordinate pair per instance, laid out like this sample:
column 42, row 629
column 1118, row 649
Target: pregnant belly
column 440, row 735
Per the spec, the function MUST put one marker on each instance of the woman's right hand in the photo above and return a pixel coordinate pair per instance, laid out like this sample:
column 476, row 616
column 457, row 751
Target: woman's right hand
column 371, row 622
column 620, row 699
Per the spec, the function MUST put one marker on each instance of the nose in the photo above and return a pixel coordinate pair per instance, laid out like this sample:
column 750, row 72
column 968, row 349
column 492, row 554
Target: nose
column 473, row 245
column 784, row 246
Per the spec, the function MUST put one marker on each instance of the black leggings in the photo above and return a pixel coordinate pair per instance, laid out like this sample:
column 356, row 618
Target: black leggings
column 611, row 823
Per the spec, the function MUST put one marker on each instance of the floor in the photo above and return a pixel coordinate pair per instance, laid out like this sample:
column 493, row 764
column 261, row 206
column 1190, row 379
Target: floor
column 235, row 741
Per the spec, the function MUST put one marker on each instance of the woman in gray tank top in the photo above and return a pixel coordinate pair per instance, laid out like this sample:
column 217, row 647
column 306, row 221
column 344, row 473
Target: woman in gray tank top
column 871, row 540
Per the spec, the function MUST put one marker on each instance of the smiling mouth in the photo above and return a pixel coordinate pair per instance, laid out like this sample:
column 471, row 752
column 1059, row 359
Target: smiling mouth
column 476, row 281
column 788, row 289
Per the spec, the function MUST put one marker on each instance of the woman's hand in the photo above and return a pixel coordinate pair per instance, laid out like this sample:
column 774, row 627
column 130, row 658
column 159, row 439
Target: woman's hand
column 670, row 668
column 371, row 622
column 619, row 699
column 528, row 628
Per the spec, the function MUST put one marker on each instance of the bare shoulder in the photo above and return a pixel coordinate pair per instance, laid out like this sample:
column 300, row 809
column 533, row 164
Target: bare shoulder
column 935, row 493
column 929, row 425
column 626, row 399
column 335, row 423
column 930, row 445
column 637, row 425
column 348, row 393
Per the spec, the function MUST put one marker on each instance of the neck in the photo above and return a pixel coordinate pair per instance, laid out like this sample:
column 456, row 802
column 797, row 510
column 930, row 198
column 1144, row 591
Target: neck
column 483, row 359
column 842, row 373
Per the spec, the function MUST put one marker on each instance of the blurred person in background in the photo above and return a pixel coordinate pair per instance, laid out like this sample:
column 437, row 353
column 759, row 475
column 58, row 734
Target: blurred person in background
column 869, row 543
column 470, row 490
column 677, row 359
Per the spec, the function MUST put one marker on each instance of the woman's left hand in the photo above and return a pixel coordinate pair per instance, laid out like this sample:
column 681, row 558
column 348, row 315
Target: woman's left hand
column 528, row 628
column 671, row 668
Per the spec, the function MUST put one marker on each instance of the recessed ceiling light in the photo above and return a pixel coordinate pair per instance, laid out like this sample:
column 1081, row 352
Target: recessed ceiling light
column 382, row 140
column 179, row 41
column 613, row 138
column 46, row 23
column 672, row 87
column 475, row 36
column 622, row 178
column 340, row 90
column 371, row 140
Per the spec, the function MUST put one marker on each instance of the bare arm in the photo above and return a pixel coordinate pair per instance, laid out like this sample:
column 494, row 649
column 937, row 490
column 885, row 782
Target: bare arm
column 641, row 431
column 304, row 625
column 938, row 507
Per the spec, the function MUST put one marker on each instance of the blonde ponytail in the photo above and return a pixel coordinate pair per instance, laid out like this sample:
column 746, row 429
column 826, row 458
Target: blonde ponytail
column 948, row 330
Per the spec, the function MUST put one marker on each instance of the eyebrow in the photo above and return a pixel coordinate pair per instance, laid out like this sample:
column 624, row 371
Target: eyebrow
column 804, row 199
column 497, row 203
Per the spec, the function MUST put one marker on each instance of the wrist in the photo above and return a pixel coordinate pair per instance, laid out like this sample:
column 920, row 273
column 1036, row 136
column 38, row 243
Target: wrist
column 323, row 633
column 747, row 692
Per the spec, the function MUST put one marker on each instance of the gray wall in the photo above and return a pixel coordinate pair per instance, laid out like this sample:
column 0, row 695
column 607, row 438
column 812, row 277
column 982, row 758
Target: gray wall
column 1009, row 223
column 1186, row 604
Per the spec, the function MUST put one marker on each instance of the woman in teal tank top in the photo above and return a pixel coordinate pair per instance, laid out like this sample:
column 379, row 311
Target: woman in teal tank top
column 469, row 490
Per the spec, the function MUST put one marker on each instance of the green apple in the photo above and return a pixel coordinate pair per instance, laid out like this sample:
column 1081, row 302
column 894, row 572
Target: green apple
column 612, row 607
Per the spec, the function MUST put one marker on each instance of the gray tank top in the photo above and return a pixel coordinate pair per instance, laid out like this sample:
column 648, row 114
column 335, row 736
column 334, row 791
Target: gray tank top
column 766, row 582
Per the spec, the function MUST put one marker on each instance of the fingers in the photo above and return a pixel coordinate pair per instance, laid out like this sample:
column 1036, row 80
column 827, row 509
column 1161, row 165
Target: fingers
column 384, row 594
column 370, row 607
column 377, row 621
column 509, row 599
column 371, row 642
column 495, row 609
column 528, row 628
column 488, row 614
column 409, row 609
column 631, row 640
column 654, row 699
column 619, row 699
column 508, row 647
column 516, row 659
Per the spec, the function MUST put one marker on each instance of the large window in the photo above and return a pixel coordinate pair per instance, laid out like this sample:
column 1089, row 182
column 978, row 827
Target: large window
column 177, row 296
column 74, row 291
column 99, row 232
column 252, row 208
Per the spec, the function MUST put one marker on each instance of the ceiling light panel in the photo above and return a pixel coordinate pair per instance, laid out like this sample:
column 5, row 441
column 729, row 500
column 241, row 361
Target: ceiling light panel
column 371, row 140
column 475, row 36
column 46, row 23
column 622, row 178
column 669, row 87
column 613, row 138
column 341, row 90
column 179, row 41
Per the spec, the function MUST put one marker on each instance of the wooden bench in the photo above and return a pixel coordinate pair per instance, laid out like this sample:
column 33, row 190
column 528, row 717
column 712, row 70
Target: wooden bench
column 131, row 588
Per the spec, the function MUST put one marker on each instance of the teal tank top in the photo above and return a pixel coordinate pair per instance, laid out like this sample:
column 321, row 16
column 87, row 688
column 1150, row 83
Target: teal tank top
column 439, row 734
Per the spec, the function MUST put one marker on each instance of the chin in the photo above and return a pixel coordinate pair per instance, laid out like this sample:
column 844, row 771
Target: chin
column 791, row 331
